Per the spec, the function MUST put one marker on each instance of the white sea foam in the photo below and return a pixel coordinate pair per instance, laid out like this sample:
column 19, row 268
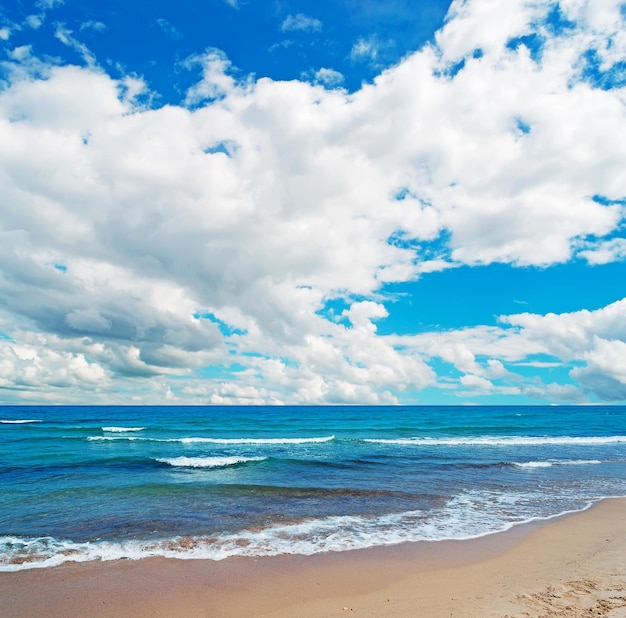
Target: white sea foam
column 470, row 515
column 553, row 462
column 503, row 441
column 207, row 462
column 113, row 438
column 220, row 440
column 257, row 440
column 19, row 421
column 122, row 429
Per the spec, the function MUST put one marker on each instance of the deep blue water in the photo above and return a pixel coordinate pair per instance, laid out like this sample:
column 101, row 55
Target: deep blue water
column 82, row 483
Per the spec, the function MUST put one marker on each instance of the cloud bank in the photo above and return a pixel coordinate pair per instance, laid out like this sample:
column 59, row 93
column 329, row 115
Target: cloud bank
column 235, row 248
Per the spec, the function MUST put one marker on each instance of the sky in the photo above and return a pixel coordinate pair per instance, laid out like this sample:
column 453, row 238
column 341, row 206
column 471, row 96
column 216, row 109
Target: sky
column 329, row 202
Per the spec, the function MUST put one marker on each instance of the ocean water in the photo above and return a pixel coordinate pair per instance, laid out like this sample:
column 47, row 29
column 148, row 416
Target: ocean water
column 106, row 483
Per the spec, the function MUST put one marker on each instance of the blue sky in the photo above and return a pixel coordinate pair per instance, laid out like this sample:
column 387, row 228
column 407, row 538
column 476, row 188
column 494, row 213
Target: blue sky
column 313, row 202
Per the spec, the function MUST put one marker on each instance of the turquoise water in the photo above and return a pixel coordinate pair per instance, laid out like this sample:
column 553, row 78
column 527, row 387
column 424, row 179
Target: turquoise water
column 86, row 483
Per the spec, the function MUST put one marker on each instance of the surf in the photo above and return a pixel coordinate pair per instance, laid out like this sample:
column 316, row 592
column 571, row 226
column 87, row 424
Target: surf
column 207, row 462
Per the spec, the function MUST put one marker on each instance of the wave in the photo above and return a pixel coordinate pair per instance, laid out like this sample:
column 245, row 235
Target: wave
column 414, row 441
column 206, row 462
column 552, row 462
column 503, row 441
column 463, row 518
column 122, row 429
column 19, row 421
column 219, row 440
column 258, row 440
column 112, row 439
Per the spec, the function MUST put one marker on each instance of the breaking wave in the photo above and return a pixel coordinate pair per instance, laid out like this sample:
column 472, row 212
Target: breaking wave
column 206, row 462
column 462, row 518
column 219, row 440
column 550, row 463
column 503, row 441
column 19, row 421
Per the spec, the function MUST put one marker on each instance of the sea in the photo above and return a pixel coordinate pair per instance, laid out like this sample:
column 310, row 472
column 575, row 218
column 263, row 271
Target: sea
column 110, row 483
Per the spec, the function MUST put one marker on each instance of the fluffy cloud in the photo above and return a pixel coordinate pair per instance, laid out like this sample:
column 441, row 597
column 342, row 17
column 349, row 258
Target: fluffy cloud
column 605, row 372
column 142, row 242
column 328, row 77
column 590, row 345
column 572, row 335
column 594, row 340
column 604, row 252
column 38, row 372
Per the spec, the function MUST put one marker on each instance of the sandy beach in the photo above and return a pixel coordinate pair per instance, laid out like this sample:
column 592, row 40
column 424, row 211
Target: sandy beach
column 571, row 566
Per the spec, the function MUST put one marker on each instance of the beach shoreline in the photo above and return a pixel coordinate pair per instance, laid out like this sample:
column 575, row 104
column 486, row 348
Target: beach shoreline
column 561, row 567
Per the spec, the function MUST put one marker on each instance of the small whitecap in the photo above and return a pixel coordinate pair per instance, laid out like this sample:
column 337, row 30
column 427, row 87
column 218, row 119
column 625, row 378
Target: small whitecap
column 206, row 462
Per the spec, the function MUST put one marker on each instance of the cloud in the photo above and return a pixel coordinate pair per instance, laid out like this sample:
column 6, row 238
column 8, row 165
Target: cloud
column 604, row 252
column 555, row 393
column 215, row 83
column 49, row 4
column 87, row 320
column 492, row 360
column 64, row 35
column 204, row 245
column 5, row 34
column 301, row 22
column 595, row 340
column 284, row 44
column 41, row 373
column 605, row 372
column 573, row 335
column 477, row 384
column 168, row 29
column 365, row 49
column 328, row 77
column 35, row 21
column 98, row 26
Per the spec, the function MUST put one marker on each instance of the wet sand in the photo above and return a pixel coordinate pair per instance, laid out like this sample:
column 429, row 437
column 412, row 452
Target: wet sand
column 568, row 567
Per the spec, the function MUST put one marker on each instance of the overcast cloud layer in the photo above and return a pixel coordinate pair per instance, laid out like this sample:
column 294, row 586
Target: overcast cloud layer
column 235, row 248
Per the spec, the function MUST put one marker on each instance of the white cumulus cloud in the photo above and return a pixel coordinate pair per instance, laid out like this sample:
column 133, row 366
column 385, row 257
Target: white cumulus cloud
column 139, row 243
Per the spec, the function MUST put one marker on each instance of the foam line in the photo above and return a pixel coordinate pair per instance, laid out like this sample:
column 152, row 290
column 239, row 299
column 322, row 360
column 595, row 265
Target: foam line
column 503, row 441
column 206, row 462
column 19, row 421
column 219, row 440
